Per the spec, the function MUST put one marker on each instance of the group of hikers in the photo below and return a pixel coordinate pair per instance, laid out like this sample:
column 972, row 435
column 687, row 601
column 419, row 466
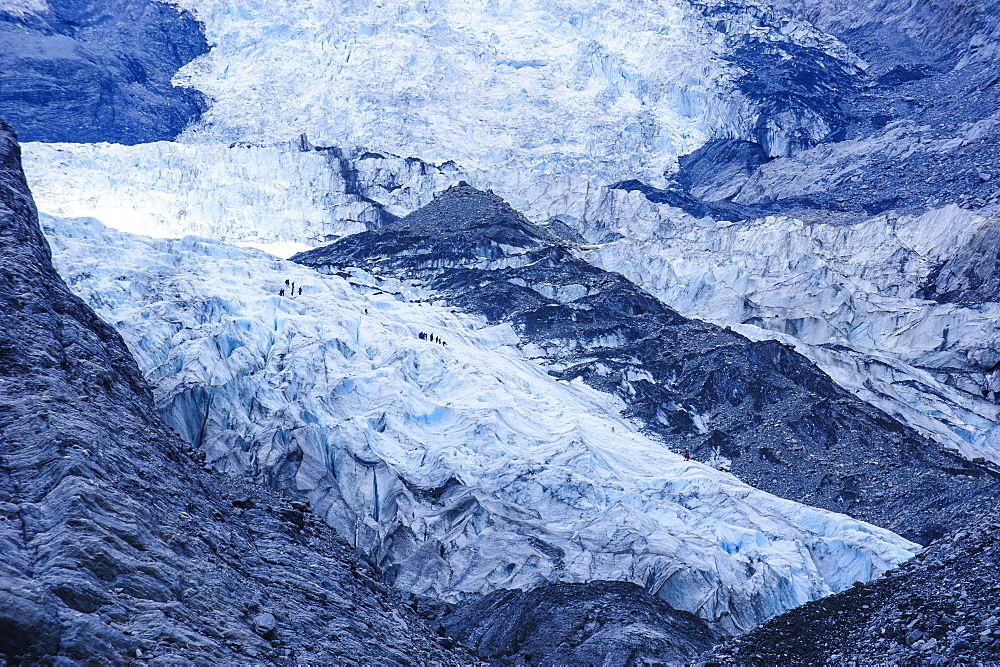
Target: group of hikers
column 291, row 285
column 431, row 337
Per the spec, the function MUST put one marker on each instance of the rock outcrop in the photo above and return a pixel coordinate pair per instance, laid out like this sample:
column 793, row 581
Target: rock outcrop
column 80, row 71
column 599, row 623
column 940, row 608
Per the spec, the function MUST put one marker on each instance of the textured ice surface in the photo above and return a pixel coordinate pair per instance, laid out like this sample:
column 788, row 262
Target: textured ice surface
column 560, row 86
column 608, row 90
column 462, row 468
column 845, row 295
column 241, row 195
column 20, row 8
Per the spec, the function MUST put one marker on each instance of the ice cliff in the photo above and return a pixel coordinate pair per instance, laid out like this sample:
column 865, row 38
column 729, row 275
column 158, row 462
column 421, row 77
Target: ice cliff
column 463, row 468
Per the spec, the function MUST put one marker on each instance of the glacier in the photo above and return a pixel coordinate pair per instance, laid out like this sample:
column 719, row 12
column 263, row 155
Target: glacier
column 858, row 315
column 847, row 297
column 452, row 80
column 607, row 90
column 461, row 469
column 819, row 173
column 549, row 104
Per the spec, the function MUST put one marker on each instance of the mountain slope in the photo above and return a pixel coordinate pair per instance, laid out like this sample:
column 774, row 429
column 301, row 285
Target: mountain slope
column 117, row 544
column 74, row 70
column 838, row 246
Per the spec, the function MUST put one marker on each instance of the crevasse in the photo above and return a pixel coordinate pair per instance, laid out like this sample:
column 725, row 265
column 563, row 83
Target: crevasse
column 461, row 468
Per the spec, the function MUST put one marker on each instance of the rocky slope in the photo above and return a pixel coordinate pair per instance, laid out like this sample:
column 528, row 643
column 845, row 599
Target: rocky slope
column 758, row 408
column 603, row 622
column 940, row 608
column 117, row 543
column 74, row 70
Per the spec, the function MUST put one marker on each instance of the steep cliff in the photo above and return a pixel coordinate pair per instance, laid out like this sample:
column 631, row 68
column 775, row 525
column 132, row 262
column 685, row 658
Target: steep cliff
column 84, row 71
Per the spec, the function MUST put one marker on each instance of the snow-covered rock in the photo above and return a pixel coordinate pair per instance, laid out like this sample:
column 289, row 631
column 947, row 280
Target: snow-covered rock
column 462, row 468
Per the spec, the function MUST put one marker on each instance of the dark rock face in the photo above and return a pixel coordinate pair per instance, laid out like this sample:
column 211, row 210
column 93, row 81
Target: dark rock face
column 598, row 623
column 87, row 71
column 972, row 274
column 784, row 426
column 939, row 608
column 116, row 543
column 927, row 67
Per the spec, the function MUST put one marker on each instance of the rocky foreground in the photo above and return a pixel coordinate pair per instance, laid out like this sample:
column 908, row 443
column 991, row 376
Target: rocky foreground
column 940, row 608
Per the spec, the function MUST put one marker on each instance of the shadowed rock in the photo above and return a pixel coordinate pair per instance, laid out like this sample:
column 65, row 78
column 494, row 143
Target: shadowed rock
column 598, row 623
column 82, row 71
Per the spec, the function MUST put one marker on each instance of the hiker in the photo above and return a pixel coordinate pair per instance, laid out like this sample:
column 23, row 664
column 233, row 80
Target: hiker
column 286, row 282
column 366, row 311
column 281, row 292
column 687, row 455
column 300, row 294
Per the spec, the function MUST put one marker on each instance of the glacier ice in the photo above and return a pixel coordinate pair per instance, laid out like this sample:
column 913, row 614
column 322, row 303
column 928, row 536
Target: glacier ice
column 238, row 194
column 554, row 85
column 844, row 295
column 606, row 90
column 460, row 469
